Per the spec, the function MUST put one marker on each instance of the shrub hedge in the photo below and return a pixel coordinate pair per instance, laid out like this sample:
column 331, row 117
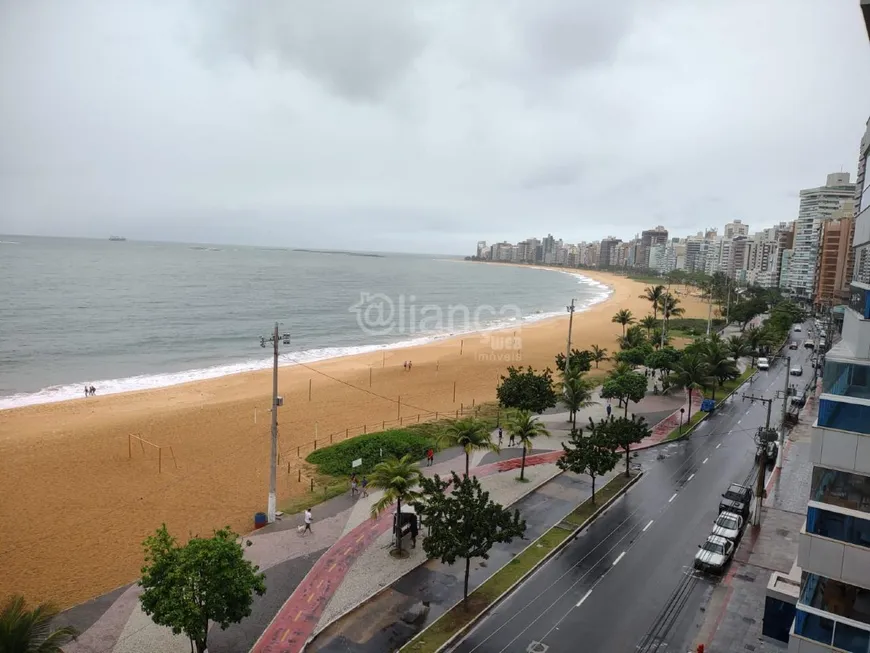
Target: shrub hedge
column 336, row 460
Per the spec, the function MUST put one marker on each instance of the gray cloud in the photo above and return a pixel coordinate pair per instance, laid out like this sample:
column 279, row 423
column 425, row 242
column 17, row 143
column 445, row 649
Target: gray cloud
column 420, row 126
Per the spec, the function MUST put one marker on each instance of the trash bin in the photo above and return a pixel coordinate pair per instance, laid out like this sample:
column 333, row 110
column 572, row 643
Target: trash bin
column 260, row 520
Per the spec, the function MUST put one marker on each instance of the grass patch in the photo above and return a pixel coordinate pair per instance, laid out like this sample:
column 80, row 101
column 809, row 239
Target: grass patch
column 436, row 635
column 294, row 505
column 335, row 460
column 691, row 327
column 677, row 433
column 722, row 392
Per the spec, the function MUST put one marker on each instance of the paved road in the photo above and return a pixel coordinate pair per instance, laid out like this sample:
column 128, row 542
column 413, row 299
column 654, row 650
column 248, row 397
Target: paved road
column 607, row 590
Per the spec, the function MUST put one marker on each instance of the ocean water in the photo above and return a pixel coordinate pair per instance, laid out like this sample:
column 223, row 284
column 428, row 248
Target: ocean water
column 133, row 315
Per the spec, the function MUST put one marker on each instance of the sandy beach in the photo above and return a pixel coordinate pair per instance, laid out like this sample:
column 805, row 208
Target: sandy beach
column 75, row 506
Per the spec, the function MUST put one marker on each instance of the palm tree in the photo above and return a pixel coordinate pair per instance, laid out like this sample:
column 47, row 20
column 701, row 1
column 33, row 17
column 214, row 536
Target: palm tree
column 469, row 433
column 649, row 323
column 632, row 338
column 524, row 427
column 29, row 631
column 599, row 355
column 654, row 294
column 690, row 373
column 719, row 364
column 398, row 478
column 576, row 394
column 738, row 347
column 623, row 317
column 670, row 306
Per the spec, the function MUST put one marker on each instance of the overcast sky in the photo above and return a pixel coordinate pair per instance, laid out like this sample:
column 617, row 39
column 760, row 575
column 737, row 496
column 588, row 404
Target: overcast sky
column 421, row 126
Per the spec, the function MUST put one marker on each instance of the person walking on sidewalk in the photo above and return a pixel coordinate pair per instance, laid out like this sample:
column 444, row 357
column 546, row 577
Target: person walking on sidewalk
column 609, row 408
column 364, row 485
column 500, row 437
column 353, row 486
column 430, row 457
column 307, row 528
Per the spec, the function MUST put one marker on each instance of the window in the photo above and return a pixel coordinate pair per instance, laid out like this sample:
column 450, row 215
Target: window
column 849, row 638
column 844, row 416
column 840, row 599
column 846, row 380
column 841, row 489
column 812, row 626
column 843, row 528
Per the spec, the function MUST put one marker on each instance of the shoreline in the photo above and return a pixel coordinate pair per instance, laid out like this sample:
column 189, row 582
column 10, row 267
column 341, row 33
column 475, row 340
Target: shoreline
column 96, row 499
column 118, row 386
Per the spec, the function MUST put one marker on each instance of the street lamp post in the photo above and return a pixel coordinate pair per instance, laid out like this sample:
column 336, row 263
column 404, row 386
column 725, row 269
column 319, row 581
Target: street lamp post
column 682, row 410
column 570, row 326
column 277, row 401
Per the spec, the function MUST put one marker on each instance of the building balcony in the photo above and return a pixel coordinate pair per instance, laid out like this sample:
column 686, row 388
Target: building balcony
column 846, row 378
column 815, row 632
column 837, row 546
column 844, row 413
column 838, row 449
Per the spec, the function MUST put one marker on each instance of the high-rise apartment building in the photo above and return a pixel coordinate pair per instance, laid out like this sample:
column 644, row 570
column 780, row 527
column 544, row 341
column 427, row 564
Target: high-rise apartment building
column 834, row 266
column 817, row 205
column 834, row 545
column 736, row 228
column 649, row 238
column 482, row 250
column 606, row 254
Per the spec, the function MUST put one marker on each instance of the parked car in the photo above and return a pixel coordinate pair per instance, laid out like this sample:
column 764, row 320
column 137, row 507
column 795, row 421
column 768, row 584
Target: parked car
column 799, row 401
column 809, row 344
column 714, row 554
column 763, row 364
column 797, row 370
column 798, row 328
column 792, row 345
column 736, row 499
column 729, row 526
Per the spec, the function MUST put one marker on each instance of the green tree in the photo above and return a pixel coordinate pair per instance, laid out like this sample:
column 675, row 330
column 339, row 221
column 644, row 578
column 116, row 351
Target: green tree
column 625, row 431
column 633, row 338
column 719, row 364
column 24, row 630
column 670, row 306
column 469, row 433
column 663, row 359
column 185, row 587
column 635, row 356
column 691, row 373
column 594, row 454
column 738, row 347
column 398, row 478
column 628, row 386
column 653, row 294
column 464, row 523
column 576, row 394
column 744, row 312
column 599, row 355
column 525, row 428
column 649, row 323
column 581, row 361
column 527, row 390
column 623, row 317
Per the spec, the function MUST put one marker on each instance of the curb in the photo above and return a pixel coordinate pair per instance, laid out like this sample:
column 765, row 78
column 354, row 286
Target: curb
column 462, row 631
column 361, row 603
column 689, row 431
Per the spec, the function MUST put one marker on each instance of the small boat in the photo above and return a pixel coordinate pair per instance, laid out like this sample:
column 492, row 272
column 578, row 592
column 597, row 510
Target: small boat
column 117, row 238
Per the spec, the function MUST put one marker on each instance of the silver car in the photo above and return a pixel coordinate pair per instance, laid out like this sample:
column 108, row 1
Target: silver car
column 728, row 525
column 714, row 554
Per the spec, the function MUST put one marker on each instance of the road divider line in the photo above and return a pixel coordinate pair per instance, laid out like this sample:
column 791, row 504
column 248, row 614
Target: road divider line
column 705, row 461
column 691, row 476
column 618, row 558
column 673, row 497
column 647, row 526
column 585, row 596
column 718, row 445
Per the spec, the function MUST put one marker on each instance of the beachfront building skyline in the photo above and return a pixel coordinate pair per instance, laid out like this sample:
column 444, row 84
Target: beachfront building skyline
column 816, row 205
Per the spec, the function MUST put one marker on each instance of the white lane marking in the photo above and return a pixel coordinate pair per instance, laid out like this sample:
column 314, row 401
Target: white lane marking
column 618, row 558
column 718, row 445
column 705, row 461
column 690, row 478
column 585, row 596
column 647, row 526
column 738, row 422
column 673, row 497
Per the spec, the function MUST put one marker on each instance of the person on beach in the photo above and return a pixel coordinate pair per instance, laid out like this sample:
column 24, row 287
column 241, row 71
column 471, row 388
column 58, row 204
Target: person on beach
column 307, row 522
column 93, row 391
column 405, row 365
column 430, row 457
column 409, row 366
column 364, row 485
column 87, row 391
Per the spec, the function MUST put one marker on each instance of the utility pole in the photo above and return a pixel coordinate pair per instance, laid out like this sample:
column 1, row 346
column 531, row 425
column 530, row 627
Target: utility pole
column 570, row 326
column 785, row 396
column 277, row 401
column 762, row 465
column 728, row 304
column 665, row 312
column 710, row 309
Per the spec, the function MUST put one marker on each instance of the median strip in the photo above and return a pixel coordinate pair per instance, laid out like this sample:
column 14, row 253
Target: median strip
column 462, row 616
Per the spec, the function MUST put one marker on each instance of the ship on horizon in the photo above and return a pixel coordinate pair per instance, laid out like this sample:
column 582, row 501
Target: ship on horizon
column 117, row 238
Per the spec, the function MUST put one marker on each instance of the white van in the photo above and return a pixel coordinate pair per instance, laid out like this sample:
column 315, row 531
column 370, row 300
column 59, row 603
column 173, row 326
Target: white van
column 763, row 364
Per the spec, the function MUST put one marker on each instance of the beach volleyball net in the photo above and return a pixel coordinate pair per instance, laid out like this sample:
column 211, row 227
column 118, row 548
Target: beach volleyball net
column 146, row 446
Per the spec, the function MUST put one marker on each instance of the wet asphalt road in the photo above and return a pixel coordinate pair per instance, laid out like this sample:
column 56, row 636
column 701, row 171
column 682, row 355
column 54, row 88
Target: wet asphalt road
column 606, row 591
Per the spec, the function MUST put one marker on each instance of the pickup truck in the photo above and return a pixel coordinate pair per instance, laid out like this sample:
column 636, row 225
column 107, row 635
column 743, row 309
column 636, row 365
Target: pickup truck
column 736, row 500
